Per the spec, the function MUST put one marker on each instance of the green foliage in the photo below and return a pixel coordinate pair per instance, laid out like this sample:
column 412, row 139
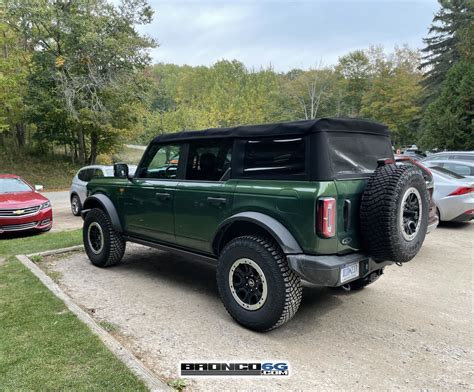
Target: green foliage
column 178, row 384
column 394, row 94
column 85, row 88
column 450, row 40
column 449, row 120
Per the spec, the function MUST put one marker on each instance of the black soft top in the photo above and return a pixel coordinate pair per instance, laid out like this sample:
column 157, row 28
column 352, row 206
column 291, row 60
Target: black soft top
column 283, row 129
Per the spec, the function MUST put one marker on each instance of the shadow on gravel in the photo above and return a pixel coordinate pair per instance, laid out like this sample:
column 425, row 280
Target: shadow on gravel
column 176, row 270
column 454, row 225
column 187, row 274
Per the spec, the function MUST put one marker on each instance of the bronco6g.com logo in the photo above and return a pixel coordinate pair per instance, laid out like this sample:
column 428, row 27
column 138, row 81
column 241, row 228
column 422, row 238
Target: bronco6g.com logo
column 267, row 368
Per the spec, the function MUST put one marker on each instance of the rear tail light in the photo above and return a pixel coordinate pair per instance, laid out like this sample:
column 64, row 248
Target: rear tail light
column 461, row 191
column 326, row 217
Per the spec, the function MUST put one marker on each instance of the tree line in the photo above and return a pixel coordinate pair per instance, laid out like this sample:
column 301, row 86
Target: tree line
column 77, row 75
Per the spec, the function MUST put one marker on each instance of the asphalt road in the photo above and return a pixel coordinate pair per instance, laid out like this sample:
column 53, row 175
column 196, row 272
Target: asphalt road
column 412, row 329
column 62, row 216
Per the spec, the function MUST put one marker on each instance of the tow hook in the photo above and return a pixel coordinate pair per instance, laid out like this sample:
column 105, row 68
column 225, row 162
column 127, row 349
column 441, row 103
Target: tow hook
column 399, row 264
column 346, row 287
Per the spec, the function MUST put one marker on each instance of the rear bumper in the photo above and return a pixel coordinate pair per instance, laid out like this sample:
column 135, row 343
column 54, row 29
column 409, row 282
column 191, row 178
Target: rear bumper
column 326, row 270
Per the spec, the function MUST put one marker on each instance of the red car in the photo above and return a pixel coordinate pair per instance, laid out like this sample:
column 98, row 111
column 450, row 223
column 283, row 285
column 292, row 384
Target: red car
column 22, row 207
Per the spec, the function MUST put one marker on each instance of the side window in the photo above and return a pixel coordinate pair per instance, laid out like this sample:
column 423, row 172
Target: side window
column 462, row 170
column 85, row 175
column 161, row 162
column 276, row 156
column 209, row 161
column 97, row 173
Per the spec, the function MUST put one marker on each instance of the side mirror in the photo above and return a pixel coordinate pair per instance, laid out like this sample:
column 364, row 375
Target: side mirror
column 39, row 188
column 121, row 170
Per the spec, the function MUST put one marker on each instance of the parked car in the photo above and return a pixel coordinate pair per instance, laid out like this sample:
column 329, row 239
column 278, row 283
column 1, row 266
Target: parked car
column 433, row 219
column 22, row 207
column 454, row 155
column 453, row 195
column 78, row 190
column 463, row 168
column 271, row 205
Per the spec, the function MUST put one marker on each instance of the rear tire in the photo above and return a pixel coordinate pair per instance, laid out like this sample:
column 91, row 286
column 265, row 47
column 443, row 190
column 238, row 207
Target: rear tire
column 76, row 205
column 104, row 246
column 394, row 213
column 256, row 285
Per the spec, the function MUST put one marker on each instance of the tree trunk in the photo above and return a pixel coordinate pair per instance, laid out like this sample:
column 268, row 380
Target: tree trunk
column 20, row 134
column 81, row 148
column 94, row 141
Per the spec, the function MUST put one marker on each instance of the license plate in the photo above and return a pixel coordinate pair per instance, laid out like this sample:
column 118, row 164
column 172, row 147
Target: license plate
column 349, row 272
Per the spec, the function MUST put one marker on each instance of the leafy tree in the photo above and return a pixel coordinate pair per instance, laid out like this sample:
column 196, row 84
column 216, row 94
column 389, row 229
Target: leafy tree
column 449, row 120
column 451, row 38
column 355, row 69
column 14, row 67
column 394, row 93
column 87, row 57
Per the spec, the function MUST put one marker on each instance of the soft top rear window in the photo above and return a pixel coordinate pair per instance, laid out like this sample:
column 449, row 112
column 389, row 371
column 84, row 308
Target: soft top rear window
column 357, row 153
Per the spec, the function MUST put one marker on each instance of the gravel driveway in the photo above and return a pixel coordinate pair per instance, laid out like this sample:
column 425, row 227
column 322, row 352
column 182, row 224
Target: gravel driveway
column 412, row 329
column 62, row 216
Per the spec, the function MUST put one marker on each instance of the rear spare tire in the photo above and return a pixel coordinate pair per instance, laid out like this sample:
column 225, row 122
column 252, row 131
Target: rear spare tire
column 394, row 213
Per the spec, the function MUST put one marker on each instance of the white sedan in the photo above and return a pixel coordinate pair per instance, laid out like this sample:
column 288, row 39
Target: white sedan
column 453, row 195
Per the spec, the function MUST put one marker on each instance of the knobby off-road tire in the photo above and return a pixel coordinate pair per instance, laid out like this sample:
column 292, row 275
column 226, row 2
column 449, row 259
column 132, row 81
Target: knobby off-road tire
column 104, row 246
column 392, row 229
column 280, row 288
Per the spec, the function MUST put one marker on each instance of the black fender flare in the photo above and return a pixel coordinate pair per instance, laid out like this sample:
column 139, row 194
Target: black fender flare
column 277, row 230
column 107, row 205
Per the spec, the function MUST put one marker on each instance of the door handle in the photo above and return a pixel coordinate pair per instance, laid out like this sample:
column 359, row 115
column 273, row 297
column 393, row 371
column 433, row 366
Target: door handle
column 163, row 196
column 217, row 201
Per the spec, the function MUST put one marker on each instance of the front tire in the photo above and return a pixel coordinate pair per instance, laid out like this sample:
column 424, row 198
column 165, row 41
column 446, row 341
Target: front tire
column 104, row 246
column 256, row 285
column 76, row 205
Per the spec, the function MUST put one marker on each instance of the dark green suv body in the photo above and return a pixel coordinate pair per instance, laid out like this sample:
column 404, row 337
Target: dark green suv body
column 270, row 205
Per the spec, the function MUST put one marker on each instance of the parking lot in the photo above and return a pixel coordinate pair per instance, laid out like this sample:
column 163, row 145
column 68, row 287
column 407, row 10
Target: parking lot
column 411, row 329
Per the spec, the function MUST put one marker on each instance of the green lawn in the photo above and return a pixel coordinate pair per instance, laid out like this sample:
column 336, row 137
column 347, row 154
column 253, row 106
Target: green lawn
column 32, row 243
column 43, row 346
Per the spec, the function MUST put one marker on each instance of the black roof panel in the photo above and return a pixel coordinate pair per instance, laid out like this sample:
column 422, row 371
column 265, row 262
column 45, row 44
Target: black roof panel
column 284, row 129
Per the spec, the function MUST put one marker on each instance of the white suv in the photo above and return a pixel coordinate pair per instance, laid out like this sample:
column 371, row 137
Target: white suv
column 78, row 191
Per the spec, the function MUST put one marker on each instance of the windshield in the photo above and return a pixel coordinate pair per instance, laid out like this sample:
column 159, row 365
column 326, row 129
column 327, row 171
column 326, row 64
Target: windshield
column 446, row 172
column 11, row 185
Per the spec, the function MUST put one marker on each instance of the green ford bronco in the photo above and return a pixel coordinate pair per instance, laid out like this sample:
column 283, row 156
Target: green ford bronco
column 271, row 205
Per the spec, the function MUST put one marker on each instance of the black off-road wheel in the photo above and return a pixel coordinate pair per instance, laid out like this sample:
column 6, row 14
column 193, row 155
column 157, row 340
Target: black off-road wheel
column 256, row 285
column 394, row 213
column 104, row 246
column 76, row 205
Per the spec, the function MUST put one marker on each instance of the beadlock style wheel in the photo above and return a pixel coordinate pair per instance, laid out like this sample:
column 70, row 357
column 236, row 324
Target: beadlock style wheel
column 248, row 284
column 411, row 214
column 95, row 236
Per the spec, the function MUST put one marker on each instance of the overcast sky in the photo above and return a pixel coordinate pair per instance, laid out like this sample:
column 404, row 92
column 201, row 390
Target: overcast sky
column 286, row 34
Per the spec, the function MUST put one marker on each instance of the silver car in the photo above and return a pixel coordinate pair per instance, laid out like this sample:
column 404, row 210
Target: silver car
column 451, row 155
column 462, row 168
column 453, row 195
column 78, row 191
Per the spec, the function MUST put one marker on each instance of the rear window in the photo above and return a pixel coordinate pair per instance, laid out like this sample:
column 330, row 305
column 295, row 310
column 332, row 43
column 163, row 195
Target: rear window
column 357, row 153
column 275, row 157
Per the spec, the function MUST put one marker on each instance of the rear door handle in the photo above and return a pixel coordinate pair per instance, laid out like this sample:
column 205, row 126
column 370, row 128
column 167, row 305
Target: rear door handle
column 163, row 196
column 217, row 201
